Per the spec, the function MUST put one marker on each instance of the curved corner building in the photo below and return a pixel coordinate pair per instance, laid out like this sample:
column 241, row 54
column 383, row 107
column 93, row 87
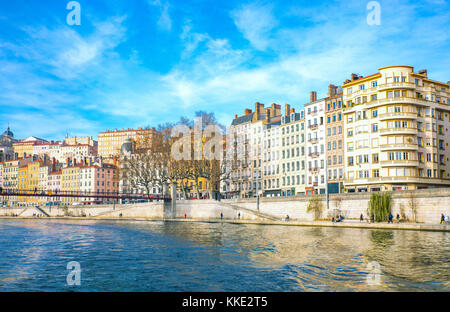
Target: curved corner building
column 396, row 131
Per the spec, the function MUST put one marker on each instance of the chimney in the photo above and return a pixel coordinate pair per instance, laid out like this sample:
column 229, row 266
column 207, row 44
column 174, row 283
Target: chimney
column 235, row 116
column 423, row 72
column 247, row 111
column 287, row 109
column 276, row 109
column 313, row 96
column 331, row 90
column 268, row 114
column 257, row 109
column 354, row 77
column 292, row 110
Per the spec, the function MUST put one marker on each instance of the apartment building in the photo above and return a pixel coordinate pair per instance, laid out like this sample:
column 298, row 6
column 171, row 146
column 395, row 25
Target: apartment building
column 240, row 154
column 89, row 140
column 78, row 151
column 264, row 120
column 334, row 123
column 110, row 142
column 70, row 183
column 271, row 157
column 54, row 186
column 25, row 147
column 315, row 145
column 10, row 180
column 50, row 149
column 98, row 179
column 396, row 127
column 293, row 152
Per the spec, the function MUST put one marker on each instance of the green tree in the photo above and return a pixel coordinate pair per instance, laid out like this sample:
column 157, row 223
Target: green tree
column 380, row 205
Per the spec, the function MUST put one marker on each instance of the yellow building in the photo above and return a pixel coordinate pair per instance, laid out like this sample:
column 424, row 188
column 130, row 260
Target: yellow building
column 22, row 176
column 33, row 181
column 396, row 127
column 25, row 147
column 70, row 183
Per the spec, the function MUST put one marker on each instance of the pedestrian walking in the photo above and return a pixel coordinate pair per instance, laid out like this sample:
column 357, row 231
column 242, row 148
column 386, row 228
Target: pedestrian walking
column 221, row 216
column 390, row 218
column 442, row 218
column 239, row 215
column 398, row 218
column 361, row 218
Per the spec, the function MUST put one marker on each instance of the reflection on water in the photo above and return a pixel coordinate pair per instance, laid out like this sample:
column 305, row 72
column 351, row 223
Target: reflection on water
column 172, row 256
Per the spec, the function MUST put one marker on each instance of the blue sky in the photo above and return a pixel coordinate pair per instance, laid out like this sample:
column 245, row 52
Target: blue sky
column 144, row 62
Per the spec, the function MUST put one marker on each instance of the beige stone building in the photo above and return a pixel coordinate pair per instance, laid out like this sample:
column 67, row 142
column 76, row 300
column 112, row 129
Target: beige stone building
column 292, row 153
column 110, row 142
column 396, row 131
column 89, row 140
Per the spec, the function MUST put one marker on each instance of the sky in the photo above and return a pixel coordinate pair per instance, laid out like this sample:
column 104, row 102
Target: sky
column 146, row 62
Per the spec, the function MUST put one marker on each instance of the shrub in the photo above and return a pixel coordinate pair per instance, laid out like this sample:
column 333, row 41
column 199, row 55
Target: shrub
column 380, row 205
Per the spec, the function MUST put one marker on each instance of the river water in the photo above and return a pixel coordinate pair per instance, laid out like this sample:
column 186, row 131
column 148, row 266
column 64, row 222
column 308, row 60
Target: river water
column 184, row 256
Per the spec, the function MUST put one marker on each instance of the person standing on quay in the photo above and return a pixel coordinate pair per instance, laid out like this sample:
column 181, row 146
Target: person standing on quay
column 221, row 216
column 361, row 218
column 442, row 218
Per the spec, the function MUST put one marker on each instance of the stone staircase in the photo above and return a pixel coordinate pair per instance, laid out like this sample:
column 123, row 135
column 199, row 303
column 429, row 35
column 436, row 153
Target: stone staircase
column 254, row 212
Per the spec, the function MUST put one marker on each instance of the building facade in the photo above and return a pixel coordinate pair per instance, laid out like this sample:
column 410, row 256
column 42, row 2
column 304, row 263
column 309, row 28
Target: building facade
column 315, row 145
column 110, row 142
column 293, row 153
column 396, row 126
column 334, row 123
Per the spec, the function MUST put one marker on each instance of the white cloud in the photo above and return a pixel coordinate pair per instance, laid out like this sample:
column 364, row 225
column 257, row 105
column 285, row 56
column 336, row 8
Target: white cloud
column 255, row 22
column 164, row 21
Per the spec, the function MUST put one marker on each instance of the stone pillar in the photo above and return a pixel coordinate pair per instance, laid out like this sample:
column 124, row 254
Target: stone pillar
column 173, row 188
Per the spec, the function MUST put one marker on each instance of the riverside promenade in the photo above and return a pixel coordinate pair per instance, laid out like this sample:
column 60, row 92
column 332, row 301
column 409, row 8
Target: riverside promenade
column 344, row 224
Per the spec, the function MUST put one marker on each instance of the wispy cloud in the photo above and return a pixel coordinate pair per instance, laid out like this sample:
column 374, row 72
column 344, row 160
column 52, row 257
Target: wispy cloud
column 164, row 21
column 255, row 21
column 101, row 79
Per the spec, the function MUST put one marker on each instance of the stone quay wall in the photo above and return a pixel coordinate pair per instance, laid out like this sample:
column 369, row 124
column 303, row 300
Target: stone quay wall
column 429, row 204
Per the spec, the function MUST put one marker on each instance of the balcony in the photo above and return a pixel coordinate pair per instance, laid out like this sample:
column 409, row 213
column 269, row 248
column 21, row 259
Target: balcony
column 396, row 85
column 403, row 163
column 314, row 169
column 313, row 126
column 313, row 140
column 387, row 131
column 418, row 180
column 397, row 100
column 398, row 115
column 314, row 154
column 398, row 146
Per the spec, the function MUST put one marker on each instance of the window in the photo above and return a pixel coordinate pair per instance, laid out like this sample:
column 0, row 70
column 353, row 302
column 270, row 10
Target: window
column 375, row 158
column 374, row 113
column 350, row 161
